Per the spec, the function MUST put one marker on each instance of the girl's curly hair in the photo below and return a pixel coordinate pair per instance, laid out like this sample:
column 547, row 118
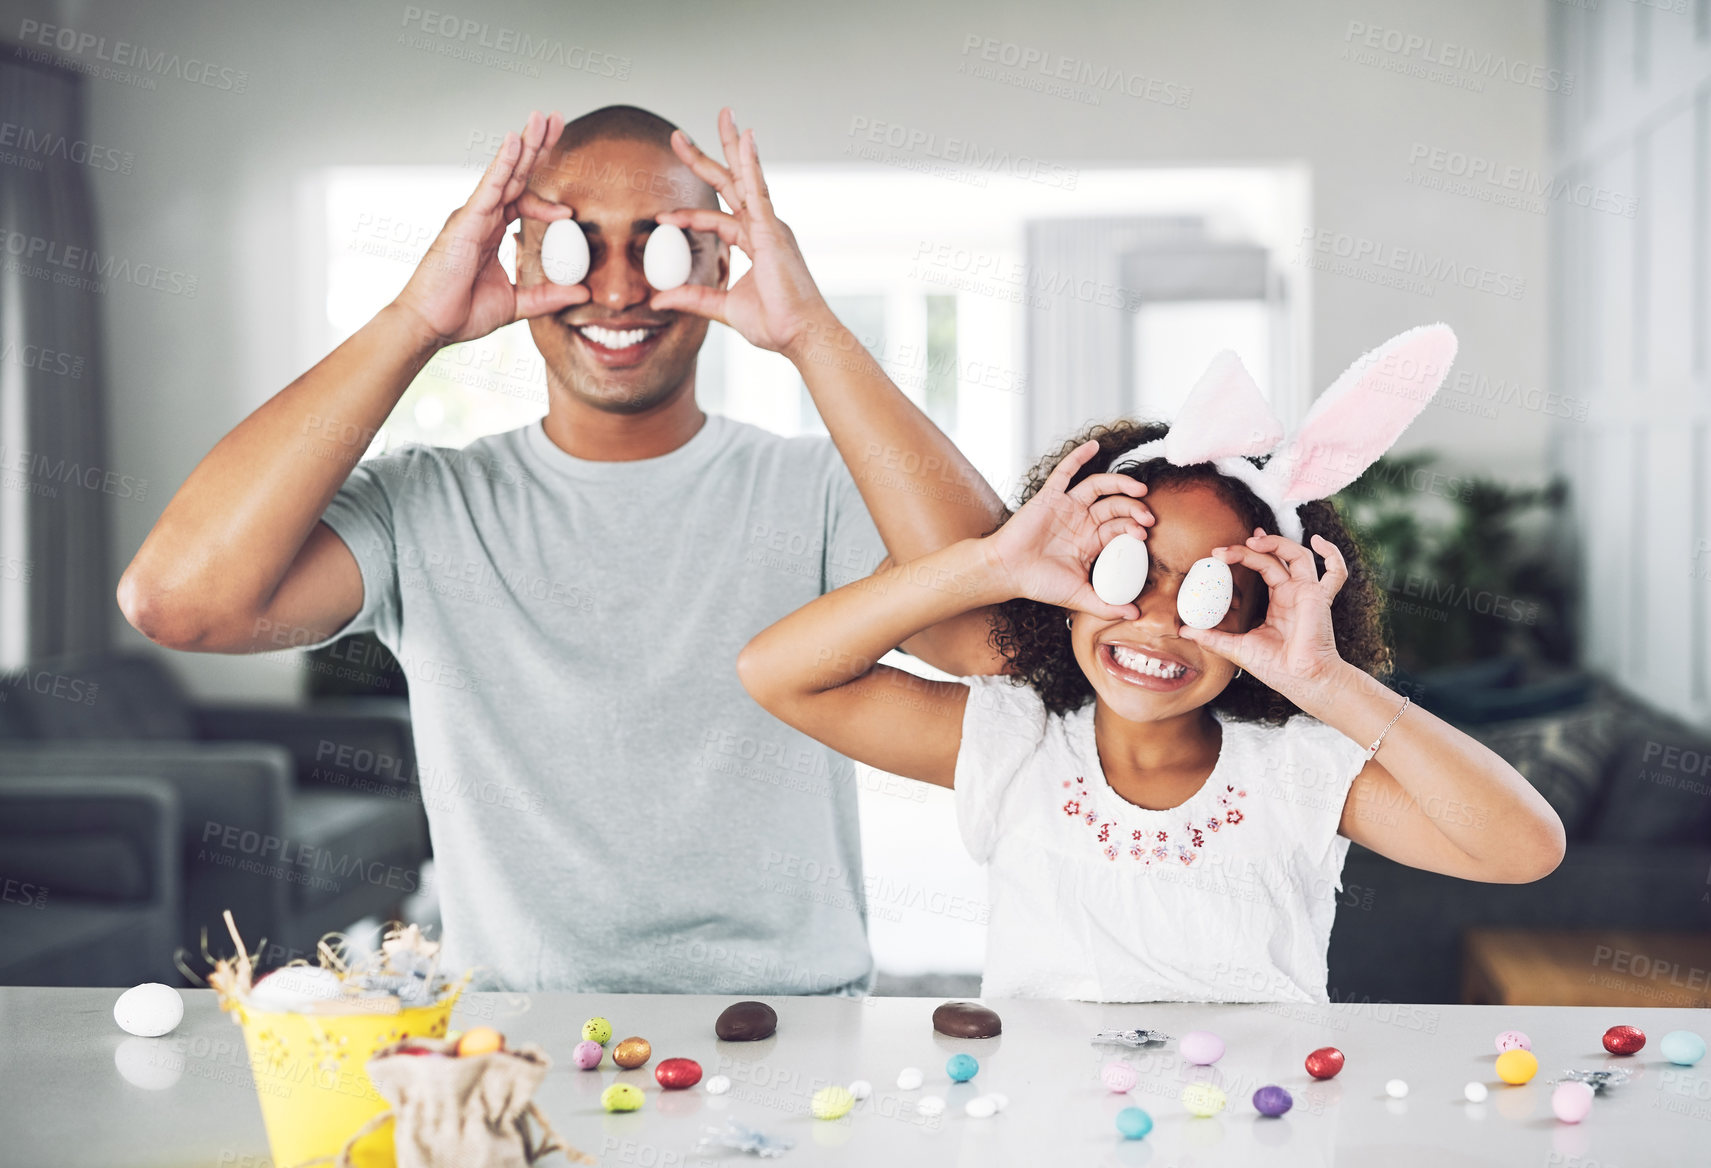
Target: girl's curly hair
column 1034, row 640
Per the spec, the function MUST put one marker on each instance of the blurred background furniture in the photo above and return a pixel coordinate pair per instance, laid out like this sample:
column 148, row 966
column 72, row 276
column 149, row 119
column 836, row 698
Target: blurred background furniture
column 1578, row 967
column 89, row 879
column 1632, row 788
column 301, row 821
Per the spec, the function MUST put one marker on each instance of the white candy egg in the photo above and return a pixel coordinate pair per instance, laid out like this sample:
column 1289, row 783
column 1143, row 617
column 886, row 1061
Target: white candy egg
column 861, row 1089
column 1475, row 1092
column 665, row 259
column 718, row 1085
column 1396, row 1089
column 1120, row 572
column 295, row 989
column 981, row 1107
column 149, row 1010
column 909, row 1078
column 1204, row 597
column 564, row 252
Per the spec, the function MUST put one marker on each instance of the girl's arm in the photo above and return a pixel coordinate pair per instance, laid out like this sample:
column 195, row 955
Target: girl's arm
column 1432, row 797
column 816, row 670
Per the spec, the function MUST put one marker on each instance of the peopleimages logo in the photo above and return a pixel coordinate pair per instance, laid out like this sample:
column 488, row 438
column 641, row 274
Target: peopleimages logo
column 1420, row 55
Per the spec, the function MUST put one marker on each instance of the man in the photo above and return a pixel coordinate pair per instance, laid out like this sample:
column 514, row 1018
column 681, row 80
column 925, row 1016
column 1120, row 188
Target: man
column 599, row 570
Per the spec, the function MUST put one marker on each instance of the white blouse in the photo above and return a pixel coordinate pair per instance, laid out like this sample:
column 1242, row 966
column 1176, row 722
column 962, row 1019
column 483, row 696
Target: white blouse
column 1227, row 897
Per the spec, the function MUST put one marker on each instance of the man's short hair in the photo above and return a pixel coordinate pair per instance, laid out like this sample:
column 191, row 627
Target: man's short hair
column 623, row 123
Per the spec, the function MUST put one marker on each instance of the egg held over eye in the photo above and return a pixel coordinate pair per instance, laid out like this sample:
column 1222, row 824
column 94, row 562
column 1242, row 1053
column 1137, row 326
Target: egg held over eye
column 1120, row 572
column 665, row 258
column 1204, row 598
column 564, row 252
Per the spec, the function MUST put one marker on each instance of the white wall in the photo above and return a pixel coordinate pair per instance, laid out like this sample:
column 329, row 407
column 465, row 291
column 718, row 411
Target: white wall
column 1633, row 332
column 328, row 83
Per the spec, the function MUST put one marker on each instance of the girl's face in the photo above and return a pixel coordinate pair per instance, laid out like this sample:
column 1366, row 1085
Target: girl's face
column 1143, row 669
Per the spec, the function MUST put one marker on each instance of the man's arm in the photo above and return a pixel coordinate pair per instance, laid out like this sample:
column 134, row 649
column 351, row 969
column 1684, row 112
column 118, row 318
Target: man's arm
column 922, row 493
column 240, row 548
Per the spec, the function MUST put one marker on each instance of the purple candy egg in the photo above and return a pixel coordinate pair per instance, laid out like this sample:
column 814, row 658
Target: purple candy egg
column 1272, row 1101
column 587, row 1054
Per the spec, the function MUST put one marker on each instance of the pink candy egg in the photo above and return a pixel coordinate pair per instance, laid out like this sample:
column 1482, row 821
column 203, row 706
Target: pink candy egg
column 1513, row 1040
column 1572, row 1101
column 587, row 1054
column 1201, row 1047
column 1118, row 1076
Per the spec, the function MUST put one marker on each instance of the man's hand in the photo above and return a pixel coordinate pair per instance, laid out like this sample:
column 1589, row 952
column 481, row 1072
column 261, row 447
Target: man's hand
column 775, row 305
column 460, row 290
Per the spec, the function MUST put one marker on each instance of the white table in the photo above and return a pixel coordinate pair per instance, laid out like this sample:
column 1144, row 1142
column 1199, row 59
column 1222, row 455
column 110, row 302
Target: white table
column 66, row 1102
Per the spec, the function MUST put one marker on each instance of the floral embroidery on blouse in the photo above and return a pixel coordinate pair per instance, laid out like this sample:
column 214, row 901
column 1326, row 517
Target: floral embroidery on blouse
column 1159, row 852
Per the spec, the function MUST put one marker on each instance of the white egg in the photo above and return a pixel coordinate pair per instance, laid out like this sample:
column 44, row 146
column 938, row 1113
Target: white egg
column 1204, row 597
column 1120, row 572
column 909, row 1078
column 718, row 1085
column 1475, row 1092
column 861, row 1089
column 149, row 1010
column 1396, row 1089
column 981, row 1107
column 564, row 252
column 665, row 259
column 295, row 988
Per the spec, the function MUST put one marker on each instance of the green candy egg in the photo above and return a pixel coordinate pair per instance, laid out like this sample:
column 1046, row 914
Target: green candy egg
column 597, row 1030
column 621, row 1097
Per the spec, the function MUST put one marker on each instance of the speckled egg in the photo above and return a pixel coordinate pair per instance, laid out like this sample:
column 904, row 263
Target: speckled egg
column 674, row 1074
column 621, row 1097
column 1201, row 1047
column 1513, row 1040
column 962, row 1067
column 1118, row 1076
column 632, row 1053
column 1203, row 1099
column 587, row 1054
column 597, row 1030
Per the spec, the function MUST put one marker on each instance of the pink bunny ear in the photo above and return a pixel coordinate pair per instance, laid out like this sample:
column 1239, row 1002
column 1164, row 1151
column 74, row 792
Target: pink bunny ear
column 1363, row 413
column 1225, row 416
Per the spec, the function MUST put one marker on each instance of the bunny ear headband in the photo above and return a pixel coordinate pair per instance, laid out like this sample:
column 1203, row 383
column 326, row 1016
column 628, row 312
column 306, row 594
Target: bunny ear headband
column 1226, row 420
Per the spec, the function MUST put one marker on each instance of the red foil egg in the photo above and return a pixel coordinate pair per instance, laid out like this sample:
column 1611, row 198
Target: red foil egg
column 1624, row 1040
column 674, row 1074
column 1325, row 1062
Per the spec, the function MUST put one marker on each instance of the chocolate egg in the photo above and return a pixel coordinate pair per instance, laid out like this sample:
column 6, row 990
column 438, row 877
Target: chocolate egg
column 1325, row 1062
column 1624, row 1040
column 632, row 1053
column 967, row 1020
column 746, row 1022
column 621, row 1097
column 674, row 1074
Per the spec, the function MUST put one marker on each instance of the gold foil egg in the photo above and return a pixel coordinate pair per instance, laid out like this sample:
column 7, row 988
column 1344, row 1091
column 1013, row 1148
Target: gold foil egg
column 632, row 1053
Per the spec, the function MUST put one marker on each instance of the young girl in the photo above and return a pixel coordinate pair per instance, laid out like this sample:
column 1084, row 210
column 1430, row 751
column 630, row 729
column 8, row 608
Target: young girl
column 1164, row 810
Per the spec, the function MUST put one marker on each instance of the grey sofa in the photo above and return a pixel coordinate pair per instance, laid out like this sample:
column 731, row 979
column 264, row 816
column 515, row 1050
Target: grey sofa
column 89, row 880
column 1633, row 789
column 299, row 820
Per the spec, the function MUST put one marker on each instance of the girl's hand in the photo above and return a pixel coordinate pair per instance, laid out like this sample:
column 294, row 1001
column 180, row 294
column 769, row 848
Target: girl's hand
column 1046, row 550
column 776, row 304
column 460, row 290
column 1295, row 649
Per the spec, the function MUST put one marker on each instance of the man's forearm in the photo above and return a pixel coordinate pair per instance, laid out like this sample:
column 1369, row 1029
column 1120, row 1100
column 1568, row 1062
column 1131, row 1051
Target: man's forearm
column 922, row 493
column 232, row 530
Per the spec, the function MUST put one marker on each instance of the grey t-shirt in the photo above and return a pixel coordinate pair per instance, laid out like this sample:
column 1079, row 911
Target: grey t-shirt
column 610, row 811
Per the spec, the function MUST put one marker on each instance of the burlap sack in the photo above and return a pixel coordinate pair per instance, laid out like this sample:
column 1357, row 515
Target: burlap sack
column 463, row 1112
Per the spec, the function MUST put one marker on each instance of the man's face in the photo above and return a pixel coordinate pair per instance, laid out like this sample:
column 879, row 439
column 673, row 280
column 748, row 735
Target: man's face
column 615, row 353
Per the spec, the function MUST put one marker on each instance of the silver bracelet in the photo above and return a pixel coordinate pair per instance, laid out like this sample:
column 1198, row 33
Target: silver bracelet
column 1379, row 741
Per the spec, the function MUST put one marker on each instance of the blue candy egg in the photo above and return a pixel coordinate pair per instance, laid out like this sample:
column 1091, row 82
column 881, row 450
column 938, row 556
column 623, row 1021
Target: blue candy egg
column 1273, row 1101
column 962, row 1067
column 1134, row 1123
column 1682, row 1047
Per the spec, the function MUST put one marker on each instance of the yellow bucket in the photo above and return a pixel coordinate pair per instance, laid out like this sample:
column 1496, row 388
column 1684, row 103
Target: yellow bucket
column 311, row 1077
